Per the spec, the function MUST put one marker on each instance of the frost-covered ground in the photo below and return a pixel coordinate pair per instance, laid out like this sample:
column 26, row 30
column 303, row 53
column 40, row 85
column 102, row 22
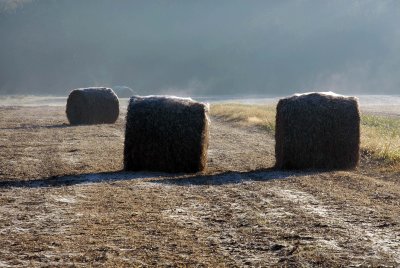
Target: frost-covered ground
column 64, row 201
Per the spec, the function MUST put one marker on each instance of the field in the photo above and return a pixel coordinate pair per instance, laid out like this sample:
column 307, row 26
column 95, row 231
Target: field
column 64, row 200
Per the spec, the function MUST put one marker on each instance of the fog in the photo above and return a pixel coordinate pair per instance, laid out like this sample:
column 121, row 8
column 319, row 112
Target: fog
column 200, row 48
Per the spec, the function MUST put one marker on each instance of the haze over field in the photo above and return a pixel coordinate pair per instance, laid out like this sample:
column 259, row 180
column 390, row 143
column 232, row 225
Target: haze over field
column 85, row 178
column 200, row 47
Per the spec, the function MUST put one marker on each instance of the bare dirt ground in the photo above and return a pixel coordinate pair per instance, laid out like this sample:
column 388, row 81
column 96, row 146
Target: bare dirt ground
column 65, row 202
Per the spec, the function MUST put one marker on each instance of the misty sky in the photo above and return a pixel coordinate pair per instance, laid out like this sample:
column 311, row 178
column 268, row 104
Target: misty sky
column 190, row 47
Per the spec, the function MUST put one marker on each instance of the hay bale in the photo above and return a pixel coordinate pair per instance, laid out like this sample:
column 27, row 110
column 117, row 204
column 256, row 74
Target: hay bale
column 97, row 105
column 317, row 130
column 166, row 134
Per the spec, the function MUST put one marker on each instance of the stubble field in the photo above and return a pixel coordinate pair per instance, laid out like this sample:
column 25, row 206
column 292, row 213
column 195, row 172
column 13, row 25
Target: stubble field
column 64, row 201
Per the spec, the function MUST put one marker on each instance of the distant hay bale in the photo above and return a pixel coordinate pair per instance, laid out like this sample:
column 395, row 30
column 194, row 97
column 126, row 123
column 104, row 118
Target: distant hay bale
column 92, row 106
column 123, row 91
column 317, row 130
column 166, row 134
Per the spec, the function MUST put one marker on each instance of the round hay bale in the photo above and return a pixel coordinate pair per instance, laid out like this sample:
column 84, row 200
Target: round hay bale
column 317, row 130
column 92, row 106
column 167, row 134
column 123, row 91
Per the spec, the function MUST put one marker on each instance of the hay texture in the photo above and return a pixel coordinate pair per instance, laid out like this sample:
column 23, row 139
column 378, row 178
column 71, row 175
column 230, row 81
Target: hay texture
column 166, row 134
column 317, row 130
column 92, row 106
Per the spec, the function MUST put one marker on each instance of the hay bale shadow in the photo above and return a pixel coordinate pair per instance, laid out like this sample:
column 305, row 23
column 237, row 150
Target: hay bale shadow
column 177, row 179
column 231, row 177
column 64, row 125
column 87, row 178
column 30, row 126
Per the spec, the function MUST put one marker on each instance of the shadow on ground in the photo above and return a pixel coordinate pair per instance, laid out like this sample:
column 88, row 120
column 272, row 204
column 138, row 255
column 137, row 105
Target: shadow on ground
column 157, row 178
column 29, row 126
column 59, row 181
column 63, row 125
column 230, row 177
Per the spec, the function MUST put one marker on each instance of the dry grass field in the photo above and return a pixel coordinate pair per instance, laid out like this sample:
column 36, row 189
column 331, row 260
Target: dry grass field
column 64, row 200
column 380, row 132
